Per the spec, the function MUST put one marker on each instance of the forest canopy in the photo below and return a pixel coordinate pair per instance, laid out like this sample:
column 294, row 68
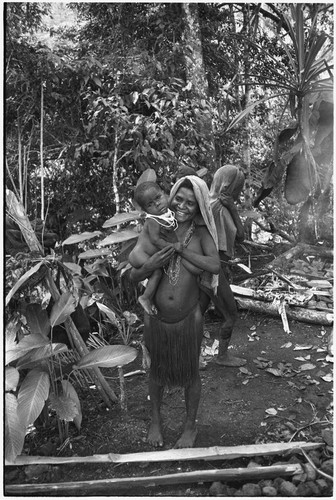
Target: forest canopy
column 96, row 93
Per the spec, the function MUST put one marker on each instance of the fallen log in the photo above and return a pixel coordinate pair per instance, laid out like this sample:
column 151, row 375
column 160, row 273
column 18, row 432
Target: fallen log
column 200, row 476
column 297, row 313
column 211, row 453
column 284, row 259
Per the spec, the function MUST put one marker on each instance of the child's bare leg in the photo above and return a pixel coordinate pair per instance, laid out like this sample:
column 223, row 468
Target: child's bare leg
column 146, row 299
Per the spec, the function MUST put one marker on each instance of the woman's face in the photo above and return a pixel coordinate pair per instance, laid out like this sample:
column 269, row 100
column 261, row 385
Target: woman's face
column 184, row 205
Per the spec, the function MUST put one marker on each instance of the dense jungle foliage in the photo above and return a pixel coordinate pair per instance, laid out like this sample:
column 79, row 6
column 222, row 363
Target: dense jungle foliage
column 98, row 94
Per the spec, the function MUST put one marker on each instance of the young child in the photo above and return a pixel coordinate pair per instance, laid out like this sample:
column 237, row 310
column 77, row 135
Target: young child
column 157, row 233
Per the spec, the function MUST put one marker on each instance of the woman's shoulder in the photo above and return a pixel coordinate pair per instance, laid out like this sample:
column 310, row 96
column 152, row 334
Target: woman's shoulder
column 201, row 230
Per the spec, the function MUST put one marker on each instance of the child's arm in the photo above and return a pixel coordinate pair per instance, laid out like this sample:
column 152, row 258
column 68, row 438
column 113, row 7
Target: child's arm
column 153, row 229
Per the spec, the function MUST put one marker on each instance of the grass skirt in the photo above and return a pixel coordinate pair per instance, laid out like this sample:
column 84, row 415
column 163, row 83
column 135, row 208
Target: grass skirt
column 174, row 348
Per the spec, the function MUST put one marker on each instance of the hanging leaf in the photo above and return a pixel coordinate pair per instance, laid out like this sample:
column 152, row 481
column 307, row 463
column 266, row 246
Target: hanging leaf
column 14, row 429
column 79, row 238
column 32, row 396
column 37, row 319
column 24, row 280
column 11, row 378
column 41, row 353
column 108, row 357
column 109, row 313
column 119, row 237
column 122, row 218
column 69, row 391
column 62, row 309
column 297, row 184
column 28, row 342
column 148, row 175
column 64, row 406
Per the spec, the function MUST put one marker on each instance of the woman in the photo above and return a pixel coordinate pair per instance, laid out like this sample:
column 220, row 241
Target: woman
column 226, row 186
column 173, row 336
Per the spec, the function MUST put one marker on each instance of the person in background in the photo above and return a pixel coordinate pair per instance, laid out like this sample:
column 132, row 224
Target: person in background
column 227, row 184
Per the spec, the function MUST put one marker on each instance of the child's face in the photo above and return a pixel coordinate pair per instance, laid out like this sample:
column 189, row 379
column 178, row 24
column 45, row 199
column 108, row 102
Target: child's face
column 155, row 202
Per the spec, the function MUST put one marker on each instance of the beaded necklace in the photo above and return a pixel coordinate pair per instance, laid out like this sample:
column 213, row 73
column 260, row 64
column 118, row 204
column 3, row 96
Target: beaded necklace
column 173, row 271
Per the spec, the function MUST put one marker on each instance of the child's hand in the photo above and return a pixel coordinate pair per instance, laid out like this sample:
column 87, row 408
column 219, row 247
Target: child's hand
column 178, row 247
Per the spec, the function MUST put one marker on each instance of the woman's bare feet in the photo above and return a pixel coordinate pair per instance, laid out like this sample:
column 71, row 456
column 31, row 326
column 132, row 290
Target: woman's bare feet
column 154, row 436
column 230, row 360
column 188, row 438
column 147, row 305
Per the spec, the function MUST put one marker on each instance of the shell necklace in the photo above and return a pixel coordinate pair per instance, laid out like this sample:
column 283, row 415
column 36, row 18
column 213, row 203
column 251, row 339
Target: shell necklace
column 173, row 271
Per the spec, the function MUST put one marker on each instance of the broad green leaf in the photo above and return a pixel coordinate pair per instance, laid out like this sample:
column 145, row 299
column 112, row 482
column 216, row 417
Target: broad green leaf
column 11, row 378
column 69, row 391
column 96, row 269
column 108, row 357
column 26, row 344
column 79, row 238
column 64, row 406
column 12, row 328
column 41, row 353
column 62, row 309
column 37, row 319
column 32, row 396
column 74, row 268
column 109, row 313
column 23, row 280
column 122, row 218
column 118, row 237
column 91, row 254
column 15, row 430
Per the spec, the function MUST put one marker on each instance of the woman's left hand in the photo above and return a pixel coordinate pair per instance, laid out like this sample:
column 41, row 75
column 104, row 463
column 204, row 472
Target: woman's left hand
column 226, row 200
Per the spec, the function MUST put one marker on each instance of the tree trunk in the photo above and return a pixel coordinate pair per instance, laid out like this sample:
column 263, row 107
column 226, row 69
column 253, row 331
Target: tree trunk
column 194, row 65
column 16, row 211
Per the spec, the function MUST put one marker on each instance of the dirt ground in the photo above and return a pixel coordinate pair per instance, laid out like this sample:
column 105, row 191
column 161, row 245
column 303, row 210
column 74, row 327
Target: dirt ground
column 238, row 406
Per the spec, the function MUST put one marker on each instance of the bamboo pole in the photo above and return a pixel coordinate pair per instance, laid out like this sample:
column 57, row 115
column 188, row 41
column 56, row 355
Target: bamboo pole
column 108, row 485
column 212, row 453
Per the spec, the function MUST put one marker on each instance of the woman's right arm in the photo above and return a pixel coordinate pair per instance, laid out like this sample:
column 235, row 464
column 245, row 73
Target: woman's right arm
column 157, row 260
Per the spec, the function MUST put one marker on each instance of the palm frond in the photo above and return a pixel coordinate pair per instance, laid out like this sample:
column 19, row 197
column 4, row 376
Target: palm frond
column 243, row 114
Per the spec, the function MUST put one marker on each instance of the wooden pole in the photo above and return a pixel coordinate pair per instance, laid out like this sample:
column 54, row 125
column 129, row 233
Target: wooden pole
column 212, row 453
column 41, row 155
column 109, row 485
